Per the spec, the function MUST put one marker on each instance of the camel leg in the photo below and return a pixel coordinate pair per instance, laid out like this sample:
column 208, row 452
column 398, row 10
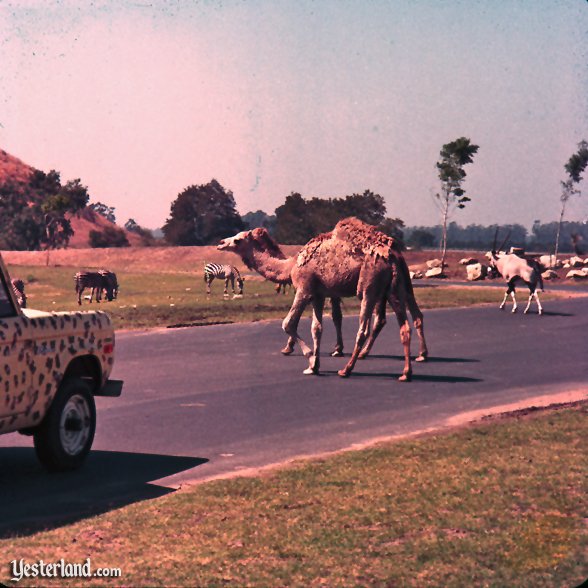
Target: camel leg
column 290, row 323
column 338, row 322
column 418, row 321
column 365, row 316
column 318, row 303
column 289, row 349
column 399, row 309
column 379, row 322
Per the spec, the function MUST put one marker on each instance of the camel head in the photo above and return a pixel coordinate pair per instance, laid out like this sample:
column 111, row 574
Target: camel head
column 246, row 241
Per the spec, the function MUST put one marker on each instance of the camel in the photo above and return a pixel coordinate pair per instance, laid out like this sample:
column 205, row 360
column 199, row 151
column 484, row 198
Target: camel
column 353, row 259
column 261, row 253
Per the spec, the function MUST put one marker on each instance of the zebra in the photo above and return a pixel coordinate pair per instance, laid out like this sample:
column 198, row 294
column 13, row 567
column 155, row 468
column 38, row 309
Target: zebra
column 97, row 281
column 228, row 273
column 19, row 291
column 112, row 280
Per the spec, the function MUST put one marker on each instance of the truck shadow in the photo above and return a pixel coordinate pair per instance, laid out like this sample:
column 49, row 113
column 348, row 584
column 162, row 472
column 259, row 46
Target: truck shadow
column 32, row 499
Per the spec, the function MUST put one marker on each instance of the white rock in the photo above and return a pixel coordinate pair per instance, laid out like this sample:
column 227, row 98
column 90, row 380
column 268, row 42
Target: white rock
column 549, row 275
column 577, row 275
column 435, row 272
column 476, row 271
column 433, row 263
column 416, row 275
column 550, row 262
column 576, row 261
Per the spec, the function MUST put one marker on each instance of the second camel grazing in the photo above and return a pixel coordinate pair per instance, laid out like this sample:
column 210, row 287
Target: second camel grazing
column 354, row 259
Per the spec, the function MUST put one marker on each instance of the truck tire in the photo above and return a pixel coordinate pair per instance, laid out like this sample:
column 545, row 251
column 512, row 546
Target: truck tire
column 64, row 438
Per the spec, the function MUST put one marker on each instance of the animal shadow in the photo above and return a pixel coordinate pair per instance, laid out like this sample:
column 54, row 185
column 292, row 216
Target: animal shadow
column 429, row 359
column 415, row 377
column 31, row 499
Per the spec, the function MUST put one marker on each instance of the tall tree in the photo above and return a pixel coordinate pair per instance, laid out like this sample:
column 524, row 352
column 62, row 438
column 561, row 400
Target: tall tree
column 574, row 168
column 33, row 214
column 202, row 215
column 453, row 157
column 299, row 220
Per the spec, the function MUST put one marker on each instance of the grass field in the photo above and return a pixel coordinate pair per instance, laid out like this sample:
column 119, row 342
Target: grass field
column 500, row 503
column 164, row 299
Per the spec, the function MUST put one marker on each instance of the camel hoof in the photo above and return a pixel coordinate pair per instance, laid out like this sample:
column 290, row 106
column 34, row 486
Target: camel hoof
column 420, row 358
column 287, row 351
column 337, row 353
column 514, row 310
column 310, row 372
column 343, row 373
column 405, row 378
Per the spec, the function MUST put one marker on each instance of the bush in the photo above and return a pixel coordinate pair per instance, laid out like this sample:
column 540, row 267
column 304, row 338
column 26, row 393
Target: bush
column 109, row 237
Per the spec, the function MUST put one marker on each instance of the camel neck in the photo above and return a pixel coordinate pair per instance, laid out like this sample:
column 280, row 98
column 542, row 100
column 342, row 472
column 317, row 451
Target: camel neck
column 272, row 268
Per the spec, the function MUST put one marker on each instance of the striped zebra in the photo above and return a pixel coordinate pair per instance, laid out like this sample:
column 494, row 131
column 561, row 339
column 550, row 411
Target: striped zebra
column 97, row 281
column 112, row 280
column 19, row 291
column 228, row 273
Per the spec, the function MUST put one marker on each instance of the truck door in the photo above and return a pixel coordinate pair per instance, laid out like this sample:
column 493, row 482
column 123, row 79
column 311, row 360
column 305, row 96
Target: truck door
column 15, row 356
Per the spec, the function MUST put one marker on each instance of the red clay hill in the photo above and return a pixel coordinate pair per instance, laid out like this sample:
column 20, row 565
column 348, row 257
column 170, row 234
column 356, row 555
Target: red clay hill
column 15, row 170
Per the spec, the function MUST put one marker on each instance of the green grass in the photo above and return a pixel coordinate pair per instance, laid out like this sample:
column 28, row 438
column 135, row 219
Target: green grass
column 179, row 298
column 497, row 504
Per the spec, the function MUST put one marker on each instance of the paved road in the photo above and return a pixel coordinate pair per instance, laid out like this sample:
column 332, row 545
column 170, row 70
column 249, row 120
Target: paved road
column 200, row 402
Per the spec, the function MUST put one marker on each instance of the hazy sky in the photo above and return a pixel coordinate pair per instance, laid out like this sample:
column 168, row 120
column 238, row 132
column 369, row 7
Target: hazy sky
column 326, row 98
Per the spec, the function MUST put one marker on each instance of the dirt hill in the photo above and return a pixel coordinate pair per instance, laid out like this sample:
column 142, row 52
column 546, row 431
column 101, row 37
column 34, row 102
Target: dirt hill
column 12, row 169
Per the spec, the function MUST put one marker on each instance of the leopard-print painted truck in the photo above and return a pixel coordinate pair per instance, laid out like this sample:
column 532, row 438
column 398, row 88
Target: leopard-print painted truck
column 51, row 367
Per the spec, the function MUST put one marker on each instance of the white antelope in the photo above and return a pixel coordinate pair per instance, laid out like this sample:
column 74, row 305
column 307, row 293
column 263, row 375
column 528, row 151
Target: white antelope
column 517, row 270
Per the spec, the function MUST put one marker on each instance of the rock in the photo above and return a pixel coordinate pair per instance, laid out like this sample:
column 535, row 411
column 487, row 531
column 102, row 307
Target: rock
column 468, row 261
column 576, row 261
column 550, row 262
column 435, row 272
column 577, row 275
column 416, row 275
column 433, row 263
column 476, row 271
column 549, row 275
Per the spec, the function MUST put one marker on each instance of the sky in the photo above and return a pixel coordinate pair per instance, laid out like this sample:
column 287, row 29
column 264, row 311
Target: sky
column 326, row 98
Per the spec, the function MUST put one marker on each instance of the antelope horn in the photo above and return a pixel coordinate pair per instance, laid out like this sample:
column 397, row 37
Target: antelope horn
column 504, row 242
column 495, row 239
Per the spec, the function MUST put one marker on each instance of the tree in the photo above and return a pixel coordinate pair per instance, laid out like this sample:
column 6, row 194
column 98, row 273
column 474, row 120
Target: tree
column 454, row 156
column 103, row 210
column 146, row 235
column 109, row 237
column 575, row 168
column 33, row 213
column 299, row 220
column 259, row 218
column 202, row 215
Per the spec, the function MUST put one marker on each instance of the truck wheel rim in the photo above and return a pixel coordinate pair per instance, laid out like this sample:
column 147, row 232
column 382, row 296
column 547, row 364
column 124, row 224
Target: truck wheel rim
column 75, row 425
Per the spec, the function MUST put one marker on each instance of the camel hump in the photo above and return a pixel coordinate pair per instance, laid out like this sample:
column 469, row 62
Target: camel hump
column 366, row 238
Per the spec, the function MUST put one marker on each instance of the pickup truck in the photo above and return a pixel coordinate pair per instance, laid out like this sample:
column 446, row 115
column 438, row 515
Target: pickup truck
column 52, row 364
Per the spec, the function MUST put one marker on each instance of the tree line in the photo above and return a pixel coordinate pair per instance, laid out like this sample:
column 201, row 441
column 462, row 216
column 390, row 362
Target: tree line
column 36, row 213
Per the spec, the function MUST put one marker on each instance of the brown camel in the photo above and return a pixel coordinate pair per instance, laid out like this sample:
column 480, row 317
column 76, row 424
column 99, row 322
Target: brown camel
column 261, row 253
column 353, row 259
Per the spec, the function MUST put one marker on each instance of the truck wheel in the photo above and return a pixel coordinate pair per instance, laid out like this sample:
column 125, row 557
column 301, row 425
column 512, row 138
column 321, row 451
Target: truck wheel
column 65, row 436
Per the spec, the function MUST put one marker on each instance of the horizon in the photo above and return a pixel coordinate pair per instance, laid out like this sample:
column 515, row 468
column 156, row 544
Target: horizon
column 325, row 99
